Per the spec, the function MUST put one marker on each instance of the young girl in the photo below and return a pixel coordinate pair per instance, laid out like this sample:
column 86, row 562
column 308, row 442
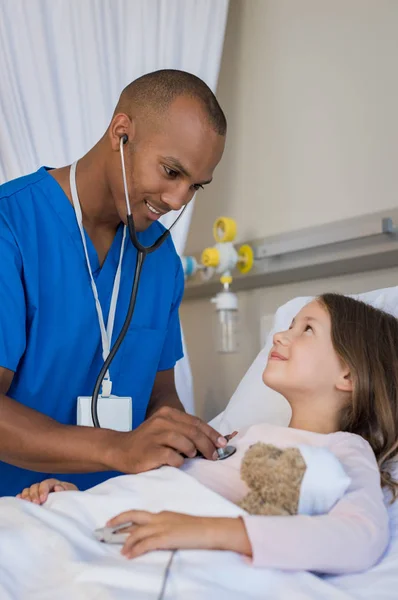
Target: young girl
column 337, row 366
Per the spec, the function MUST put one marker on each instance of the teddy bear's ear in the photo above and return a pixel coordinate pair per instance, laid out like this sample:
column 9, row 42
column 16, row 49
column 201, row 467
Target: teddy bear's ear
column 294, row 457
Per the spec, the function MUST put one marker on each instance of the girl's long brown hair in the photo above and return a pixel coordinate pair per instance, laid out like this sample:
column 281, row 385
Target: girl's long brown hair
column 366, row 340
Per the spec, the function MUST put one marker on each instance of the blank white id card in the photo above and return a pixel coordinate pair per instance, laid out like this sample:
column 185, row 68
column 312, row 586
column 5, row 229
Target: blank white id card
column 114, row 412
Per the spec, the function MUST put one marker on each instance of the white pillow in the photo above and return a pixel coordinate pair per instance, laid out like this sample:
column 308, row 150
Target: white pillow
column 253, row 402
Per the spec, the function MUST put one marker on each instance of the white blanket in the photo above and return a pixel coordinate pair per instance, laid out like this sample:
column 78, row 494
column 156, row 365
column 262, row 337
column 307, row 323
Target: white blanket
column 49, row 552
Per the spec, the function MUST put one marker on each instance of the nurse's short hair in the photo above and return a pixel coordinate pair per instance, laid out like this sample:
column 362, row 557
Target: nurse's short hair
column 158, row 89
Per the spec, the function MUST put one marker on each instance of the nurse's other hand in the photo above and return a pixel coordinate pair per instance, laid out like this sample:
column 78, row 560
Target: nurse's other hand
column 164, row 439
column 38, row 492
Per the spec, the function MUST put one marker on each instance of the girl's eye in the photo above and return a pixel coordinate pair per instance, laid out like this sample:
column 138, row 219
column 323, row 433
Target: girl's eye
column 170, row 172
column 308, row 328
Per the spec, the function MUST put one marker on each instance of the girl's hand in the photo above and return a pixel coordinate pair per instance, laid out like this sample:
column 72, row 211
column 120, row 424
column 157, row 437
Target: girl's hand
column 171, row 531
column 38, row 492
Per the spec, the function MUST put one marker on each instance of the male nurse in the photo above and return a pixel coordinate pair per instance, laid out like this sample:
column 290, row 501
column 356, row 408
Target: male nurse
column 51, row 347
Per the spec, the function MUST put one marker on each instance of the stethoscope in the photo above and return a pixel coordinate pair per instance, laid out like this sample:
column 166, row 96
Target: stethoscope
column 142, row 253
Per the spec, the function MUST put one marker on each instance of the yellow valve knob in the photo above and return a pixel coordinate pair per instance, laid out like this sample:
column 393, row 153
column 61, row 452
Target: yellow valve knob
column 246, row 258
column 226, row 279
column 224, row 229
column 210, row 257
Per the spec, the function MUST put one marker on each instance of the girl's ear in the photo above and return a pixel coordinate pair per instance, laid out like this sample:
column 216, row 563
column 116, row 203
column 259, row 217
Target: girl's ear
column 344, row 381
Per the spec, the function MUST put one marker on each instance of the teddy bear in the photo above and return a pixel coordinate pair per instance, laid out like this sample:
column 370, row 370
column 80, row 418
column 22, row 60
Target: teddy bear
column 274, row 477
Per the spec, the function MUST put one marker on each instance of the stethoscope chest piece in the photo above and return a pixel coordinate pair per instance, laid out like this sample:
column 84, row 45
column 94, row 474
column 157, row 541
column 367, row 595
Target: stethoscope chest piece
column 226, row 452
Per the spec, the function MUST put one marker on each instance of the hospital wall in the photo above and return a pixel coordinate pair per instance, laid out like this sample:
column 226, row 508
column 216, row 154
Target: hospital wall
column 310, row 91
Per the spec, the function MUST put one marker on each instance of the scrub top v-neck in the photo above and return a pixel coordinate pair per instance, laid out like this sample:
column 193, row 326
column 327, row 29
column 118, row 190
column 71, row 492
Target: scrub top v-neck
column 49, row 332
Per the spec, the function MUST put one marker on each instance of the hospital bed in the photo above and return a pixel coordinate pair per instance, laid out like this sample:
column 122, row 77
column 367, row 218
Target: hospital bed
column 50, row 552
column 253, row 402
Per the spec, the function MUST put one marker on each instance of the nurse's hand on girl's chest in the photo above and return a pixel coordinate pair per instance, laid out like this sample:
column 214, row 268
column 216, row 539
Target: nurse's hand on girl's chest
column 163, row 440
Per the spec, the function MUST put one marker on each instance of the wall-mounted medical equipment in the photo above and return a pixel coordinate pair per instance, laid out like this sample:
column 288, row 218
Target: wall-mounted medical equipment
column 354, row 245
column 221, row 260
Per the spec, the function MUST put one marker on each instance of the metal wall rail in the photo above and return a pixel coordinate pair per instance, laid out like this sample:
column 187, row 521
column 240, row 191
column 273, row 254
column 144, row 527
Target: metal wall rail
column 354, row 245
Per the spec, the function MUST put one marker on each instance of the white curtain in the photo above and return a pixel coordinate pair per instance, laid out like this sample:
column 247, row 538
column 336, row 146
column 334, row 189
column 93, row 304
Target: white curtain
column 63, row 64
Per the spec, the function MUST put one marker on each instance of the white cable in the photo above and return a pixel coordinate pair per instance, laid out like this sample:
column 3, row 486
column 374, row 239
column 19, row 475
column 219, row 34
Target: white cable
column 126, row 194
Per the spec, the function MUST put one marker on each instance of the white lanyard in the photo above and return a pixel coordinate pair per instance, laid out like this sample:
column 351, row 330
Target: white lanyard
column 106, row 333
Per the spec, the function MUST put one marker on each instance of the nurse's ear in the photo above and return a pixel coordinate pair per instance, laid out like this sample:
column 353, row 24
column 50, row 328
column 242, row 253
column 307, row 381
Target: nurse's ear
column 121, row 127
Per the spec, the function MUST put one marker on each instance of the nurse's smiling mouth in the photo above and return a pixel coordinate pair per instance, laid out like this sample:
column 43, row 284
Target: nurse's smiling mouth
column 153, row 212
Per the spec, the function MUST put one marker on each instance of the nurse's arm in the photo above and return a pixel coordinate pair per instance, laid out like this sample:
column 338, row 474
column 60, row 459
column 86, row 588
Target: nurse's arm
column 31, row 440
column 164, row 393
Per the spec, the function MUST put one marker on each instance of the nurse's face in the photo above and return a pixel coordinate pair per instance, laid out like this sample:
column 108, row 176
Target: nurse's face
column 166, row 162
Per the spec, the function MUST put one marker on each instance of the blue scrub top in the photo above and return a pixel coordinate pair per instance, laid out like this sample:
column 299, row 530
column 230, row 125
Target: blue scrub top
column 49, row 331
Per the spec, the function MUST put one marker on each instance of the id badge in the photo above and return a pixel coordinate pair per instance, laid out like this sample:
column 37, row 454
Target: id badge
column 114, row 412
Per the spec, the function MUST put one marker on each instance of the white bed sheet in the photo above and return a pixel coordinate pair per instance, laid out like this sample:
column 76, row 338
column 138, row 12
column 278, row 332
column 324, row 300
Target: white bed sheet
column 380, row 582
column 49, row 552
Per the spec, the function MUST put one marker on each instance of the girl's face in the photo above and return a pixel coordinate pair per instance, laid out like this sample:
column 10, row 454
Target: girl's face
column 303, row 364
